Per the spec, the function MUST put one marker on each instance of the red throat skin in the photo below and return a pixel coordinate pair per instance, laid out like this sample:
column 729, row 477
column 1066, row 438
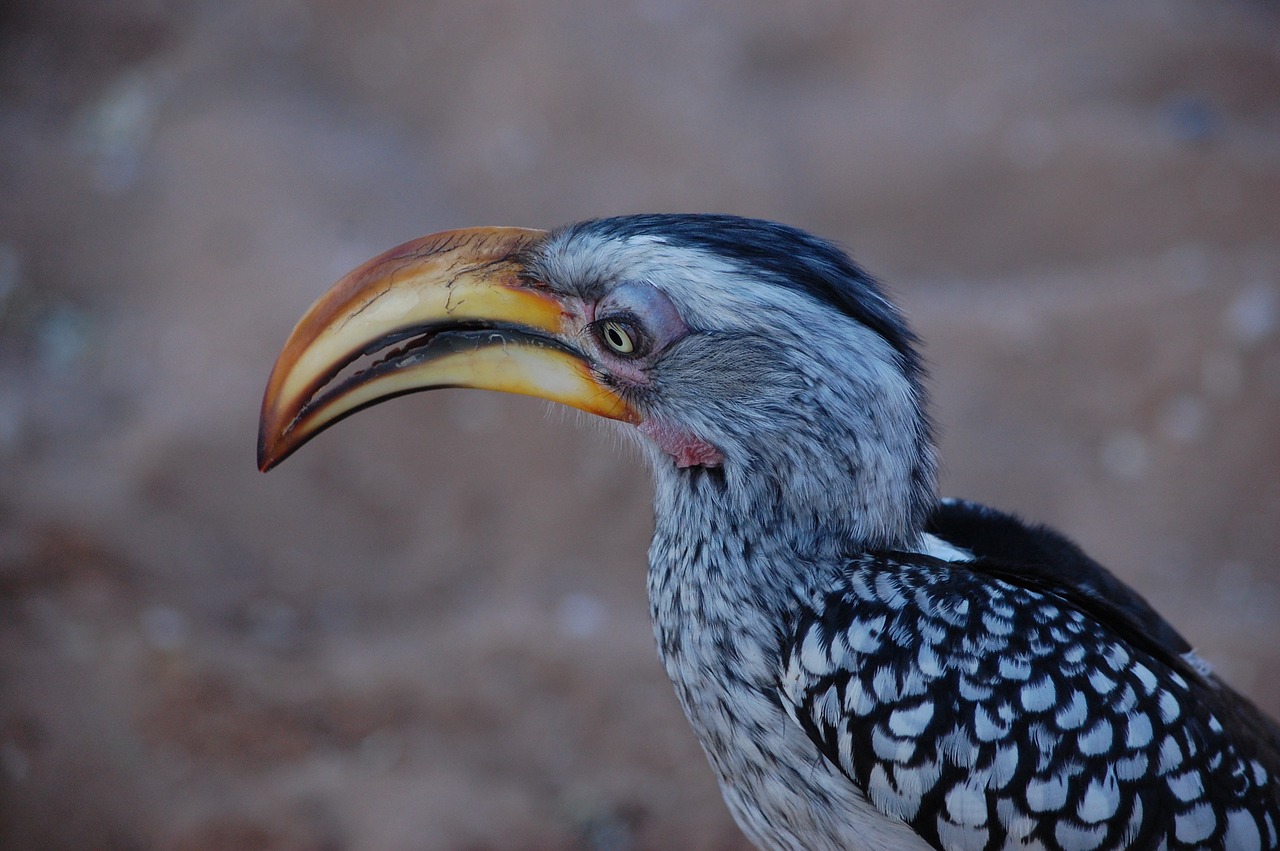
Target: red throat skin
column 687, row 449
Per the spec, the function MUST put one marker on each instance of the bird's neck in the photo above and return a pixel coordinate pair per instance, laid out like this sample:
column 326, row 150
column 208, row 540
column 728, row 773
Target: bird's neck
column 722, row 552
column 710, row 588
column 739, row 541
column 852, row 494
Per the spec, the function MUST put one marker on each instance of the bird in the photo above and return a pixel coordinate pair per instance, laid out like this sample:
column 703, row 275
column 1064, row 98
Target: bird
column 865, row 663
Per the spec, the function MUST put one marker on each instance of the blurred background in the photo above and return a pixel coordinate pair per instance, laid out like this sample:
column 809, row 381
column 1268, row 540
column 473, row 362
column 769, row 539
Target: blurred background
column 428, row 629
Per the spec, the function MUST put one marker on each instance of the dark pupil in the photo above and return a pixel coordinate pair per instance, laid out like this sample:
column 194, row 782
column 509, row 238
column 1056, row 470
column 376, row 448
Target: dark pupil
column 615, row 337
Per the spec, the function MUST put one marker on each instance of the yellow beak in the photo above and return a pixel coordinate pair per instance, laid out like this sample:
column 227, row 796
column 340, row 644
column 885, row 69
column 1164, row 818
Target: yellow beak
column 447, row 310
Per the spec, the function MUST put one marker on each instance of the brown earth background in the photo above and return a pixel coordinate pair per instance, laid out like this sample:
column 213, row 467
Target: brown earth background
column 428, row 629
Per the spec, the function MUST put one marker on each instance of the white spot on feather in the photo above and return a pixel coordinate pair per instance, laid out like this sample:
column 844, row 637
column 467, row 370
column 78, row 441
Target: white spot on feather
column 1015, row 667
column 1144, row 675
column 890, row 798
column 858, row 699
column 1004, row 766
column 1098, row 738
column 1047, row 794
column 1170, row 755
column 1134, row 826
column 1101, row 683
column 1242, row 832
column 973, row 691
column 885, row 684
column 1133, row 767
column 1138, row 734
column 1073, row 714
column 911, row 722
column 889, row 591
column 996, row 625
column 828, row 707
column 958, row 748
column 1188, row 786
column 1018, row 825
column 813, row 655
column 913, row 783
column 928, row 662
column 1117, row 657
column 986, row 727
column 864, row 636
column 1101, row 799
column 889, row 748
column 1196, row 824
column 1169, row 708
column 967, row 804
column 1039, row 696
column 954, row 612
column 956, row 836
column 1079, row 837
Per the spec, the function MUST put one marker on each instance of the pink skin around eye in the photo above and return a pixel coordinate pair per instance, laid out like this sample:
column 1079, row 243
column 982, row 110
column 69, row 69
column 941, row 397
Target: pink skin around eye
column 651, row 306
column 662, row 322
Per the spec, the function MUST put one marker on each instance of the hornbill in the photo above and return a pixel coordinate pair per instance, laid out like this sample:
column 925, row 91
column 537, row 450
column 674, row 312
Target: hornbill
column 865, row 664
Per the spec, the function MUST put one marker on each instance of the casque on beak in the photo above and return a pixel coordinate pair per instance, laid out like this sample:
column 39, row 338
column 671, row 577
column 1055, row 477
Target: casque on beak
column 452, row 309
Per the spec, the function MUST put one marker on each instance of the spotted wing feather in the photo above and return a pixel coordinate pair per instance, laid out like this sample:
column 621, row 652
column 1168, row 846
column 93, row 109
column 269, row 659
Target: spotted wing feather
column 1040, row 558
column 987, row 714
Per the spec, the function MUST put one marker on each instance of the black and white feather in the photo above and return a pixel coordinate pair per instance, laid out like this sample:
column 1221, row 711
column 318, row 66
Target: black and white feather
column 991, row 709
column 867, row 666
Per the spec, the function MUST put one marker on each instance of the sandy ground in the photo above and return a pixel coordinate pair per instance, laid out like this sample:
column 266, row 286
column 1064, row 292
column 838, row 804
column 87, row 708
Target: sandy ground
column 428, row 629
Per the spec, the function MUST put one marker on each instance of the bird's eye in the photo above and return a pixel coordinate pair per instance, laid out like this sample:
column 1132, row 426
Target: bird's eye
column 618, row 336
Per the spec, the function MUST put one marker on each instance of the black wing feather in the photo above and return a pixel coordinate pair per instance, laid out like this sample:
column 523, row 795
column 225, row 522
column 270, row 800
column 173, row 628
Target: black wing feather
column 1038, row 556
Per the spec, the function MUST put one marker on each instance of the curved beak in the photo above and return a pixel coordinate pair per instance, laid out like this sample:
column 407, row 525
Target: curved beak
column 452, row 309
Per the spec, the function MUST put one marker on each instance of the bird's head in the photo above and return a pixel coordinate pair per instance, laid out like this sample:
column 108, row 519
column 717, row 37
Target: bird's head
column 740, row 352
